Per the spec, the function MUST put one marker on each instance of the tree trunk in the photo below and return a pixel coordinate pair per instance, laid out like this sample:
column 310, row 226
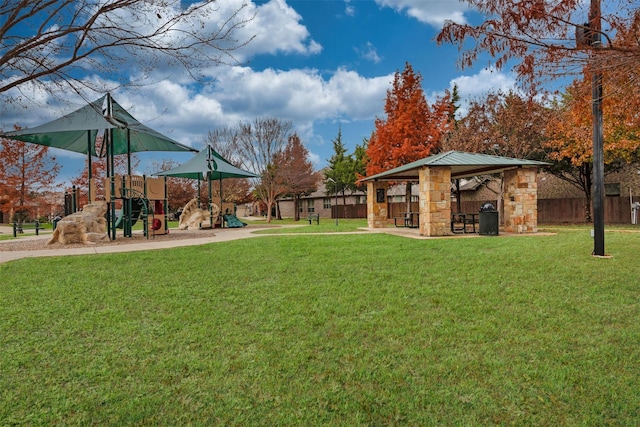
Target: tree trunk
column 587, row 209
column 407, row 196
column 269, row 204
column 587, row 193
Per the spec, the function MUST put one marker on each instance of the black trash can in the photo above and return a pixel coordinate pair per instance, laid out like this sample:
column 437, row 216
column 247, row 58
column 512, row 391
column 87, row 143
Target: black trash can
column 488, row 220
column 56, row 220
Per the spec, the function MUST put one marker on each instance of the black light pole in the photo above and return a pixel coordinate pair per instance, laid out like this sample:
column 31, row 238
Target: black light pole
column 595, row 28
column 335, row 185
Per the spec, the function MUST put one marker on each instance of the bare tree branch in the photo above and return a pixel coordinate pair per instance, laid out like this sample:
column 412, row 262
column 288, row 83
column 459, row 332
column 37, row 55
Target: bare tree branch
column 543, row 38
column 61, row 42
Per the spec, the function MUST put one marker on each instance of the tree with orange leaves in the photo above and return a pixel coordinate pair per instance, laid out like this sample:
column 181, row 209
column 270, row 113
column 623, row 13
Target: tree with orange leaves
column 298, row 175
column 412, row 130
column 569, row 134
column 505, row 124
column 25, row 170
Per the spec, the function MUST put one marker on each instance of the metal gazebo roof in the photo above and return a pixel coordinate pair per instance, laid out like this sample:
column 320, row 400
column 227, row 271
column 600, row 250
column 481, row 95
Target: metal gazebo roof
column 462, row 165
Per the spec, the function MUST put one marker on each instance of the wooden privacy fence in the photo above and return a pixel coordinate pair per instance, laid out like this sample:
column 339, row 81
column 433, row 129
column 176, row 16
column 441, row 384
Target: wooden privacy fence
column 617, row 210
column 349, row 211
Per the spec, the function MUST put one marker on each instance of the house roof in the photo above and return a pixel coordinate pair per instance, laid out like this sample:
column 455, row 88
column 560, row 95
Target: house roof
column 462, row 165
column 472, row 184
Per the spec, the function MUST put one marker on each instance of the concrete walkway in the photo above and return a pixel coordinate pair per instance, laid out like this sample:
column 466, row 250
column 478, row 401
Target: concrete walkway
column 221, row 235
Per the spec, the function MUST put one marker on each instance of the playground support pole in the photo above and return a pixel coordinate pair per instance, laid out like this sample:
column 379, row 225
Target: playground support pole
column 74, row 199
column 221, row 201
column 210, row 203
column 89, row 172
column 198, row 195
column 110, row 174
column 165, row 206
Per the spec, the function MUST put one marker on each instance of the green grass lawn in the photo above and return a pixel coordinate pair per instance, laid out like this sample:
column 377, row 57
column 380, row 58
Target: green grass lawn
column 314, row 330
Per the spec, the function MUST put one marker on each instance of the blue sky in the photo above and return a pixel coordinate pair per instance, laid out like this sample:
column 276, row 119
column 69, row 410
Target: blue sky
column 323, row 64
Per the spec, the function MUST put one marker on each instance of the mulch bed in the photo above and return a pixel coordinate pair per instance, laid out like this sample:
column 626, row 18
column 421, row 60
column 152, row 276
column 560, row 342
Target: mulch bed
column 40, row 243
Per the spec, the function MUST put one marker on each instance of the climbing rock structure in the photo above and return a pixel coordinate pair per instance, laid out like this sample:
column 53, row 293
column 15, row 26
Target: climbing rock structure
column 86, row 226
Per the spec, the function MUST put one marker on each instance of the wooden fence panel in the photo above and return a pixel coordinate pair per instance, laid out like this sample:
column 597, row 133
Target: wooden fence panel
column 349, row 211
column 617, row 210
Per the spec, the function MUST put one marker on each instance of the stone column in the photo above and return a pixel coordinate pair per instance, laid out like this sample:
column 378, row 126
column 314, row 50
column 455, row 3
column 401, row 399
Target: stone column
column 435, row 201
column 520, row 201
column 377, row 207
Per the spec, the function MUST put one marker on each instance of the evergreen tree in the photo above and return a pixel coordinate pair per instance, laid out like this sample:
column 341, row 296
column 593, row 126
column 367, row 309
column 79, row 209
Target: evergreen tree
column 340, row 175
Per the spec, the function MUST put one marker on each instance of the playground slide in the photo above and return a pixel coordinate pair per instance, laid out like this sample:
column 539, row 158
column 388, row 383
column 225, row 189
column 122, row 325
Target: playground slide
column 233, row 221
column 136, row 208
column 119, row 218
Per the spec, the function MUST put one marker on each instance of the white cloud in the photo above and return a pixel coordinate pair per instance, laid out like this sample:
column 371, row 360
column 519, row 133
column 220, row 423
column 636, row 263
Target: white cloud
column 349, row 10
column 369, row 53
column 432, row 12
column 301, row 95
column 277, row 29
column 269, row 28
column 486, row 80
column 480, row 84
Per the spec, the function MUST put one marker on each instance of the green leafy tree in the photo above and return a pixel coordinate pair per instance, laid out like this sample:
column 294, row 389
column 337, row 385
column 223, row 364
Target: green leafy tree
column 340, row 176
column 360, row 159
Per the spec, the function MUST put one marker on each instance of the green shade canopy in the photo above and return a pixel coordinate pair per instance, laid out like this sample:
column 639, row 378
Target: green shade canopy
column 207, row 165
column 77, row 131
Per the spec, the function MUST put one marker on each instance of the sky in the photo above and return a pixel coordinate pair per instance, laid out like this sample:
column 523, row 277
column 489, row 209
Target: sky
column 325, row 65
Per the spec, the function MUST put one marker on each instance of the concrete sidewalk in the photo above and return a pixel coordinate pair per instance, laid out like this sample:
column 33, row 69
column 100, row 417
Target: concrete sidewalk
column 221, row 235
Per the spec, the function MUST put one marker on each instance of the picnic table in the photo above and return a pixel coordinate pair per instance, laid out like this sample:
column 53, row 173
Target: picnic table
column 407, row 219
column 460, row 222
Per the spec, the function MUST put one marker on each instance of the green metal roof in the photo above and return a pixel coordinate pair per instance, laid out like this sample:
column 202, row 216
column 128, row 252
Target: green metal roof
column 208, row 164
column 462, row 165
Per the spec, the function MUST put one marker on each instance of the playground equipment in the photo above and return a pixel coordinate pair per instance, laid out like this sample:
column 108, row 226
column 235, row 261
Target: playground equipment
column 120, row 133
column 85, row 226
column 195, row 218
column 208, row 165
column 141, row 197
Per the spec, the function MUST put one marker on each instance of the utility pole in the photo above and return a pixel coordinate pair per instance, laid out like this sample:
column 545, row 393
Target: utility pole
column 595, row 27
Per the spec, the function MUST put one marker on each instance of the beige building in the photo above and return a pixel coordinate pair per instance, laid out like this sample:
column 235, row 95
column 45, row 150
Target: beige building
column 321, row 202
